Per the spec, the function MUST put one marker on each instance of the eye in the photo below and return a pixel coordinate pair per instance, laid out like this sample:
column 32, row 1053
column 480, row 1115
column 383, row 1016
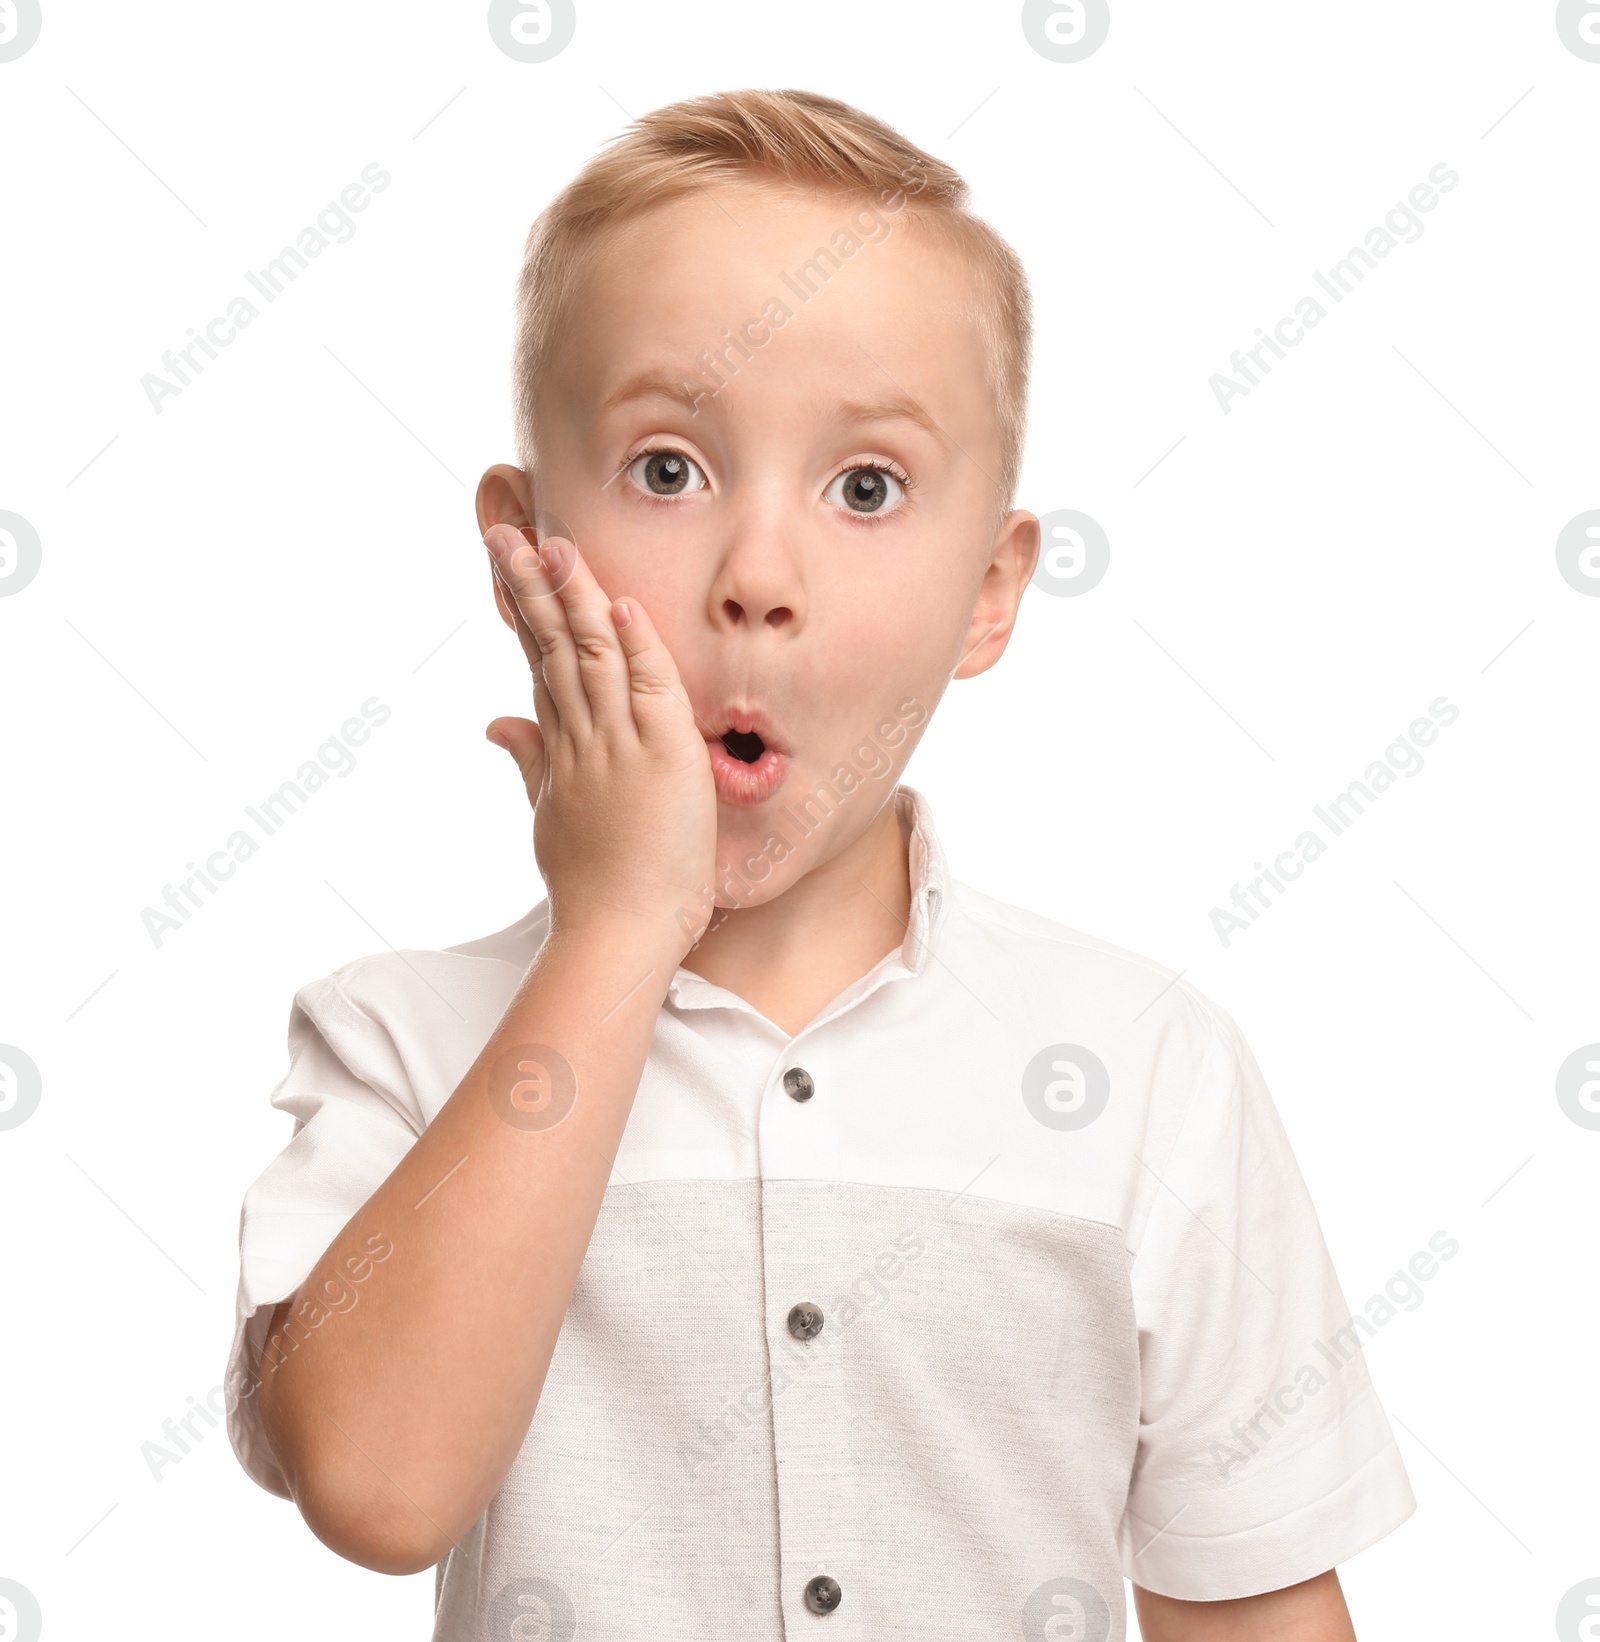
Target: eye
column 666, row 473
column 868, row 487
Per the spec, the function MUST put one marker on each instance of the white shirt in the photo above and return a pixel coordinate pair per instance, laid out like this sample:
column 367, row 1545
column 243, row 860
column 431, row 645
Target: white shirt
column 1075, row 1300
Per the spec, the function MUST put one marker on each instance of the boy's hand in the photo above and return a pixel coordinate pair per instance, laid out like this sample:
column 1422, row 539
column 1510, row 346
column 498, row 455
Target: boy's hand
column 617, row 771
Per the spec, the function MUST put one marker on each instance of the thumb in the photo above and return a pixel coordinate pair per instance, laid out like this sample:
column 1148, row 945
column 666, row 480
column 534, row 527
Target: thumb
column 523, row 739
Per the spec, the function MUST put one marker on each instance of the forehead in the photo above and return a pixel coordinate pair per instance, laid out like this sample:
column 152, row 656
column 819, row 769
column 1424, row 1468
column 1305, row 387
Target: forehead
column 827, row 294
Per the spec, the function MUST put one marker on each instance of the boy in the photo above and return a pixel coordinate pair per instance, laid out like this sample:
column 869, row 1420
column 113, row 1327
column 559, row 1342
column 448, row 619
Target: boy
column 767, row 1233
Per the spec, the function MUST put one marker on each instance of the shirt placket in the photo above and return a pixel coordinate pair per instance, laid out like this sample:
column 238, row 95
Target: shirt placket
column 824, row 1574
column 820, row 1559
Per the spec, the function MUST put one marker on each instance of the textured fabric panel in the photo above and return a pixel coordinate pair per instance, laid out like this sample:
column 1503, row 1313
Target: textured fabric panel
column 612, row 1497
column 960, row 1430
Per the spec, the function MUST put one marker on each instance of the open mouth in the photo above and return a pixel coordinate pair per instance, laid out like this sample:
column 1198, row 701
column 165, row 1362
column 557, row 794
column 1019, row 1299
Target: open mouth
column 745, row 745
column 748, row 766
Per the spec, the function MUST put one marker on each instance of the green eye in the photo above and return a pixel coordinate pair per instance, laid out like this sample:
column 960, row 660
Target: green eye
column 666, row 473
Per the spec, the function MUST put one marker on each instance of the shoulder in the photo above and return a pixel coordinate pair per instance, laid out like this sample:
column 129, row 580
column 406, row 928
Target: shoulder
column 384, row 984
column 1047, row 964
column 408, row 1021
column 1075, row 1059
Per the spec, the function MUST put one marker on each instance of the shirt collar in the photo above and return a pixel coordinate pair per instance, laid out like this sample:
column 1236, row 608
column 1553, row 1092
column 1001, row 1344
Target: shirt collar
column 930, row 896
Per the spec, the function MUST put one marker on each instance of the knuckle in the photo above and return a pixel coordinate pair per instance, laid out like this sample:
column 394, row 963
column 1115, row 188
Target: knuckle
column 594, row 647
column 523, row 584
column 649, row 682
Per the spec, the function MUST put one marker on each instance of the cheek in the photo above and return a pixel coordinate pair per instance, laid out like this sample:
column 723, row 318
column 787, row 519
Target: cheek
column 897, row 644
column 647, row 578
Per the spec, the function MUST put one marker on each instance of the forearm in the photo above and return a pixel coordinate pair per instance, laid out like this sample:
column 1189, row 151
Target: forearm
column 1312, row 1611
column 397, row 1412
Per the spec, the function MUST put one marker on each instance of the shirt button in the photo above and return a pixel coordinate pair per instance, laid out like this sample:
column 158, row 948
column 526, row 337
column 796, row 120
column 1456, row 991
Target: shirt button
column 823, row 1594
column 805, row 1323
column 797, row 1084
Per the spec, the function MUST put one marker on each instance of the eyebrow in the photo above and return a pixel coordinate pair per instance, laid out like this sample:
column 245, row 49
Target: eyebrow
column 683, row 392
column 652, row 385
column 890, row 410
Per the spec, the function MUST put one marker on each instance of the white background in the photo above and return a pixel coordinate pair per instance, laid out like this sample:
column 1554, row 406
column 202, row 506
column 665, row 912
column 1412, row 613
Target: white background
column 224, row 583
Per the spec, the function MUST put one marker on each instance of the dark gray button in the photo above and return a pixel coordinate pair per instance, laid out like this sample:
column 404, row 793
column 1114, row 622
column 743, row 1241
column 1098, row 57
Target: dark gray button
column 823, row 1594
column 797, row 1084
column 805, row 1320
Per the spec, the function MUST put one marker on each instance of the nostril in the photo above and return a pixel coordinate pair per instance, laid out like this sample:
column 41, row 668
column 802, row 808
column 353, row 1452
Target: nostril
column 780, row 615
column 747, row 747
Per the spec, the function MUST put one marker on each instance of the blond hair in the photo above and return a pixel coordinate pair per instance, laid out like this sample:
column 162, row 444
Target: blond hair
column 796, row 138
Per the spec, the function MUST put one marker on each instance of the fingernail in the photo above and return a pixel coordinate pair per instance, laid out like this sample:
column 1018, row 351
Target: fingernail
column 620, row 614
column 495, row 541
column 555, row 554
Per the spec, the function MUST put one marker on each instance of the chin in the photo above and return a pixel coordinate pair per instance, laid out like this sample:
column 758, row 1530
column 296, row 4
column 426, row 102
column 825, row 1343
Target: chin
column 757, row 857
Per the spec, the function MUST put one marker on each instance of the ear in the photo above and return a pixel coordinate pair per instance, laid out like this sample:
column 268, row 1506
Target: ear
column 1016, row 551
column 505, row 497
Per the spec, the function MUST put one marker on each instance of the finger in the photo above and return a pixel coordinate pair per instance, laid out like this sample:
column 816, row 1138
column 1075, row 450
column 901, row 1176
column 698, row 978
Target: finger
column 660, row 704
column 522, row 572
column 602, row 665
column 525, row 742
column 543, row 701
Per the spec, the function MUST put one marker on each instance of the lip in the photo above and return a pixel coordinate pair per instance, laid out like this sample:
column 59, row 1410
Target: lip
column 737, row 782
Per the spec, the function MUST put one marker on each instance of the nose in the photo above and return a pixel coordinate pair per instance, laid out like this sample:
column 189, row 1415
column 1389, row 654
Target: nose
column 758, row 584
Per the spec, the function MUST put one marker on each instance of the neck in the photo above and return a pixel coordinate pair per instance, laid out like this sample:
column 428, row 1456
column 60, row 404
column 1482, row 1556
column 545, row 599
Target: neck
column 794, row 954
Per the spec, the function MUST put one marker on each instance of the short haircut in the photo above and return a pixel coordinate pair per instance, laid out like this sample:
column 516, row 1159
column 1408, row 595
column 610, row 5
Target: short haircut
column 795, row 138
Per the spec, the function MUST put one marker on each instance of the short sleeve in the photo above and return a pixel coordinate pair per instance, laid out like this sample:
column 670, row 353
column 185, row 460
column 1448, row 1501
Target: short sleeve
column 1264, row 1457
column 355, row 1119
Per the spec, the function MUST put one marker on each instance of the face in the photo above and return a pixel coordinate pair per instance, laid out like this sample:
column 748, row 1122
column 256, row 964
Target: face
column 789, row 459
